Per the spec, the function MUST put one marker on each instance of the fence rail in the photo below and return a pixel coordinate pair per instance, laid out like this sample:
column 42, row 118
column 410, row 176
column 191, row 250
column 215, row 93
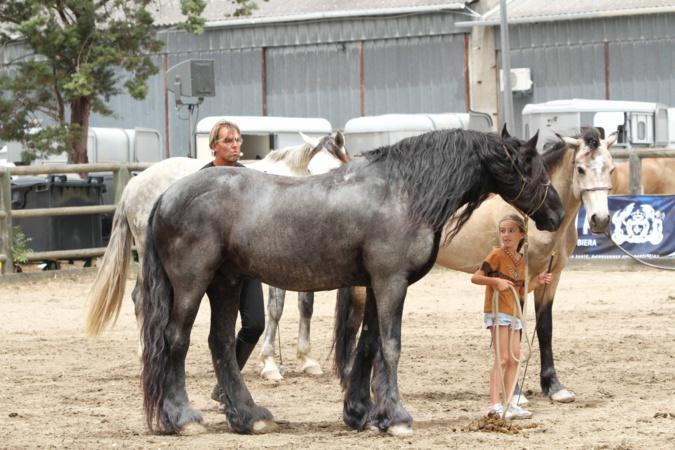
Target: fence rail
column 635, row 155
column 121, row 175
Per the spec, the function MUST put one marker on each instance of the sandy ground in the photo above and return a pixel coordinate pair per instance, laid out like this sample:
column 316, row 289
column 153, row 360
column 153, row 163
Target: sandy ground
column 614, row 340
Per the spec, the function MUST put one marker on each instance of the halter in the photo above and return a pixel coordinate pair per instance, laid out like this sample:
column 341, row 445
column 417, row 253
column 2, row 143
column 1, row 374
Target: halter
column 523, row 182
column 597, row 188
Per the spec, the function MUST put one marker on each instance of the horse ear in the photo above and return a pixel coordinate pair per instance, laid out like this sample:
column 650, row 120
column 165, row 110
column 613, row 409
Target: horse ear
column 611, row 140
column 339, row 139
column 505, row 132
column 571, row 141
column 532, row 143
column 308, row 140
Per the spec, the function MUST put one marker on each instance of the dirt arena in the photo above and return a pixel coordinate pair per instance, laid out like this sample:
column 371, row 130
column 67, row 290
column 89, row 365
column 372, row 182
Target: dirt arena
column 614, row 339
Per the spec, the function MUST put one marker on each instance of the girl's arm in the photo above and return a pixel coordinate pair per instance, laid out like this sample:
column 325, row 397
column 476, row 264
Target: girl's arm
column 480, row 278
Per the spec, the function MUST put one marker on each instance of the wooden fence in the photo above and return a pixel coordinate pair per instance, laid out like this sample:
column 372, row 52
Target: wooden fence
column 635, row 156
column 121, row 174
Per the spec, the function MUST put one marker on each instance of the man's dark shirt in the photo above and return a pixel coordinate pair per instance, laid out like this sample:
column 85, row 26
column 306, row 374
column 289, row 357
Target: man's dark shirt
column 236, row 164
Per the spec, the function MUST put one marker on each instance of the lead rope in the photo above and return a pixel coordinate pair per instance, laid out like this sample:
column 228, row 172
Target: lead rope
column 521, row 314
column 608, row 234
column 536, row 321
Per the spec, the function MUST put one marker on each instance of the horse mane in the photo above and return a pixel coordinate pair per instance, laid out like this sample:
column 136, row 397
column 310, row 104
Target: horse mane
column 553, row 154
column 442, row 170
column 296, row 157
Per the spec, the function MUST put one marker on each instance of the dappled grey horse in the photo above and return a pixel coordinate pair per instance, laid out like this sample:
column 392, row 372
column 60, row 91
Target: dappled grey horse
column 384, row 214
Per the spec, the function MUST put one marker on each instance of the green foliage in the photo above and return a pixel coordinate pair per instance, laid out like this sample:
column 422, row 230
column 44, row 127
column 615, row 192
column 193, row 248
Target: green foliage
column 20, row 248
column 72, row 50
column 245, row 7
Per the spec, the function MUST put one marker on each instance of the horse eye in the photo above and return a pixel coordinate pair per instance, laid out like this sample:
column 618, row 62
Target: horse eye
column 580, row 170
column 612, row 170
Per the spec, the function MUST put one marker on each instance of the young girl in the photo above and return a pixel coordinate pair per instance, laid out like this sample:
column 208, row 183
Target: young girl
column 505, row 267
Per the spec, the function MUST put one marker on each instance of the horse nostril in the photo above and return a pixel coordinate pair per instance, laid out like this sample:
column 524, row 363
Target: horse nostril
column 598, row 223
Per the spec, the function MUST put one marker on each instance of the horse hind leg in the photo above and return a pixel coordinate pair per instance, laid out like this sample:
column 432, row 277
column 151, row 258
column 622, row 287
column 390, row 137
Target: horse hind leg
column 357, row 406
column 176, row 413
column 275, row 307
column 306, row 307
column 138, row 311
column 242, row 413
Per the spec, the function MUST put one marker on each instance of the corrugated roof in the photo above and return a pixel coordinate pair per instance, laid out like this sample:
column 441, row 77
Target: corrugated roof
column 219, row 12
column 530, row 11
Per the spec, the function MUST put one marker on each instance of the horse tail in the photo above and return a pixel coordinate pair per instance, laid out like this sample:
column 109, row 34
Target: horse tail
column 105, row 296
column 348, row 317
column 157, row 295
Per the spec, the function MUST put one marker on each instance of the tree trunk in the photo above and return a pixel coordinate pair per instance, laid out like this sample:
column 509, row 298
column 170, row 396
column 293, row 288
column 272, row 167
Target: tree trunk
column 79, row 114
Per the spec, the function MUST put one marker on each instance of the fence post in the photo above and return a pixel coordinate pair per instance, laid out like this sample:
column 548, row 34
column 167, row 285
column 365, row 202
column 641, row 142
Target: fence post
column 120, row 180
column 635, row 172
column 6, row 221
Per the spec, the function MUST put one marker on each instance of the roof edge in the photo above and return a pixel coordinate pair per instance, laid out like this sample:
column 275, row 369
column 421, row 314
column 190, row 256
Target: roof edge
column 571, row 16
column 451, row 7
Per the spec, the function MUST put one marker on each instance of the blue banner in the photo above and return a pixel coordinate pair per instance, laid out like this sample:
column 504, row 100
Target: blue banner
column 643, row 225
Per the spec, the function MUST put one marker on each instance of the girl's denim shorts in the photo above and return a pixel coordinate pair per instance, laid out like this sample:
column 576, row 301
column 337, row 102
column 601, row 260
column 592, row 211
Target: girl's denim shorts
column 505, row 320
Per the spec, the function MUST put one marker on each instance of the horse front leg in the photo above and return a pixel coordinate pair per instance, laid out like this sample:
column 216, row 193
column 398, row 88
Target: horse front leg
column 357, row 405
column 275, row 307
column 306, row 307
column 389, row 414
column 242, row 413
column 550, row 384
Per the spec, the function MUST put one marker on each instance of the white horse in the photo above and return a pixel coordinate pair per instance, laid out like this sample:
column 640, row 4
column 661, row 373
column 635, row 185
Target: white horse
column 131, row 216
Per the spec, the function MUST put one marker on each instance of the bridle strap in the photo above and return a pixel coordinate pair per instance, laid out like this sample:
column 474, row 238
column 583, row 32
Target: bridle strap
column 522, row 188
column 523, row 180
column 597, row 188
column 513, row 163
column 543, row 198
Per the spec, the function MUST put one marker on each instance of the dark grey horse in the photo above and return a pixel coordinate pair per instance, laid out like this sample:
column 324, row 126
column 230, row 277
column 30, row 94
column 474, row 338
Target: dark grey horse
column 376, row 222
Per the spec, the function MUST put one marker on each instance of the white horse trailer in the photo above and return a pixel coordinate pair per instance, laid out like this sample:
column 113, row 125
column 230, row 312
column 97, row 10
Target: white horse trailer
column 370, row 132
column 106, row 145
column 643, row 124
column 262, row 134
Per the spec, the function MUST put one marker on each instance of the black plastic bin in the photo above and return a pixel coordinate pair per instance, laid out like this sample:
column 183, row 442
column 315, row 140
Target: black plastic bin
column 58, row 232
column 108, row 198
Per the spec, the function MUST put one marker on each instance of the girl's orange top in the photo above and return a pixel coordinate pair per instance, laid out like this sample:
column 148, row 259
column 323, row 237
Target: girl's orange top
column 499, row 264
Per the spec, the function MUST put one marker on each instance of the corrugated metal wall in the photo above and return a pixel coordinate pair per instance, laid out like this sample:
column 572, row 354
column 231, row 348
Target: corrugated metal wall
column 415, row 75
column 411, row 64
column 314, row 81
column 567, row 59
column 333, row 69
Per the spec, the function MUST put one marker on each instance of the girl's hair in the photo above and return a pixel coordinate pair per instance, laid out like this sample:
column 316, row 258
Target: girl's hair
column 518, row 220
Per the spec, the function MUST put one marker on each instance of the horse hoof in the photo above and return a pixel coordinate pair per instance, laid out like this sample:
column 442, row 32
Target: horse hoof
column 400, row 429
column 264, row 426
column 311, row 367
column 563, row 396
column 271, row 374
column 521, row 399
column 193, row 429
